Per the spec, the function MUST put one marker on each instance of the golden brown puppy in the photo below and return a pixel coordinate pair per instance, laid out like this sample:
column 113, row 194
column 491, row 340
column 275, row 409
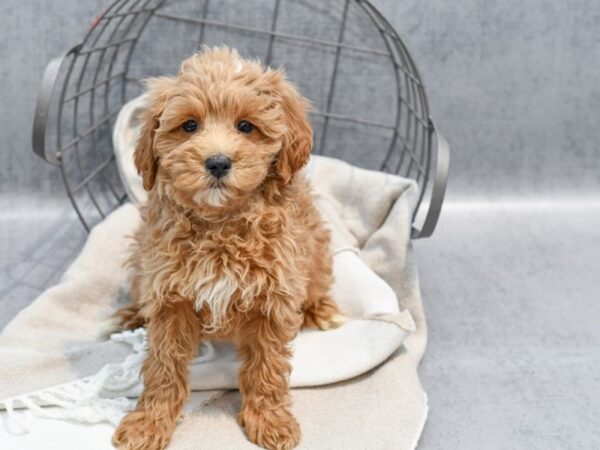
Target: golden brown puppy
column 231, row 245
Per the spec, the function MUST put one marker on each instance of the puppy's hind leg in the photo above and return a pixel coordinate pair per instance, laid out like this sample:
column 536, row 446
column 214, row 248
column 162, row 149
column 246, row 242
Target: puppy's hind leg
column 320, row 310
column 323, row 314
column 127, row 317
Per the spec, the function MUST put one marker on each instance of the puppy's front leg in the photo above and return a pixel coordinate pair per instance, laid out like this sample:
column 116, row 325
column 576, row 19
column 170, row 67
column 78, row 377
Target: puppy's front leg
column 173, row 335
column 263, row 347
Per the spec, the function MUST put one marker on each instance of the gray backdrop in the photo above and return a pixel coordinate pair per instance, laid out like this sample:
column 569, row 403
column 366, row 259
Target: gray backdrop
column 509, row 278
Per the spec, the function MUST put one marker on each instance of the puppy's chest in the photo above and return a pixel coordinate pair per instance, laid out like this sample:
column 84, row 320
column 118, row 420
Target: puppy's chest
column 215, row 269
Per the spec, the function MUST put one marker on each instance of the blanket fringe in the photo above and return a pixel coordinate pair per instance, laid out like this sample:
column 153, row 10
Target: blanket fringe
column 91, row 400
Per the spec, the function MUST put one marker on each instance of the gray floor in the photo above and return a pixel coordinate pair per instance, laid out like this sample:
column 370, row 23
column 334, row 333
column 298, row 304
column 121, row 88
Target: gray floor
column 512, row 300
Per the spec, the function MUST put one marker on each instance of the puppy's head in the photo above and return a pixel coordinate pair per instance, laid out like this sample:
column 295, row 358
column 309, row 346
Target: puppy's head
column 219, row 129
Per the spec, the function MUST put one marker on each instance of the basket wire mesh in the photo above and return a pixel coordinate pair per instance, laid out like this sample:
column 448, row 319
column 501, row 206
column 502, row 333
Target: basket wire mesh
column 370, row 107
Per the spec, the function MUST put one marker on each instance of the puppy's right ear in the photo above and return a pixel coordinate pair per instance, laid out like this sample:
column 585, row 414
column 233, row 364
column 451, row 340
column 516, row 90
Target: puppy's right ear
column 146, row 162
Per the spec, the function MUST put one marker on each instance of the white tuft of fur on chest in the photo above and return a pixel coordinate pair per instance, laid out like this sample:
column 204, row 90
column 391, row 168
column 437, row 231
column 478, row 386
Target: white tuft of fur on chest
column 215, row 293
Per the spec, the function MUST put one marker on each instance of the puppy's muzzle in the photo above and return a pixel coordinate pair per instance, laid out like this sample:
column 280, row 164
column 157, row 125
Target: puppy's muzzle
column 218, row 165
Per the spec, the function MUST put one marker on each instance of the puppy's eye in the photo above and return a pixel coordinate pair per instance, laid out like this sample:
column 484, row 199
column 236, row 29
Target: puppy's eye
column 190, row 126
column 245, row 127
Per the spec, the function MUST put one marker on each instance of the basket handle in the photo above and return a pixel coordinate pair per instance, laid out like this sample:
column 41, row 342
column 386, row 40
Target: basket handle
column 42, row 107
column 439, row 186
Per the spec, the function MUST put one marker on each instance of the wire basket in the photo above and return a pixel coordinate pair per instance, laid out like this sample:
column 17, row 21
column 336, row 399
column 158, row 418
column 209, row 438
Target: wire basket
column 370, row 107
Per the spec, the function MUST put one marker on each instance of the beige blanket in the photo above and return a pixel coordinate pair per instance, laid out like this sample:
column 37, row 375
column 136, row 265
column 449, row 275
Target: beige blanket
column 55, row 340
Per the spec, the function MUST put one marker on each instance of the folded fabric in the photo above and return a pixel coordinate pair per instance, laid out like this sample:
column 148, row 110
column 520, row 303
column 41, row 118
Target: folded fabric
column 52, row 347
column 376, row 329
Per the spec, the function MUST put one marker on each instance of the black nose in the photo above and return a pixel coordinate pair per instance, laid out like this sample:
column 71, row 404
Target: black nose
column 218, row 165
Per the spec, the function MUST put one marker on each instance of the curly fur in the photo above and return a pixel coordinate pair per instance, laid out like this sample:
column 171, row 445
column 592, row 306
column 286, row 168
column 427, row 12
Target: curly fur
column 245, row 258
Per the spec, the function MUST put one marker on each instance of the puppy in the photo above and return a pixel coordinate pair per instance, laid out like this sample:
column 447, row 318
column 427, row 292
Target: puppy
column 231, row 245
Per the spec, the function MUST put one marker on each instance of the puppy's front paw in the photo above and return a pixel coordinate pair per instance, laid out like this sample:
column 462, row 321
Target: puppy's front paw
column 139, row 431
column 273, row 430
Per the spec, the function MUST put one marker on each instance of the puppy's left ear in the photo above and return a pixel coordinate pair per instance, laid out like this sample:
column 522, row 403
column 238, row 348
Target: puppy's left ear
column 297, row 140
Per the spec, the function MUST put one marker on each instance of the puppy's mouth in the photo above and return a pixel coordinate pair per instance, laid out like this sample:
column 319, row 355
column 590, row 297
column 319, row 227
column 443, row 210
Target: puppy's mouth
column 216, row 195
column 219, row 183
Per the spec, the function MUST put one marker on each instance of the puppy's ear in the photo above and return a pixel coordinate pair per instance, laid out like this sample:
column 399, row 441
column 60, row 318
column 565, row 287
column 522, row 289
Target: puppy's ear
column 159, row 90
column 297, row 140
